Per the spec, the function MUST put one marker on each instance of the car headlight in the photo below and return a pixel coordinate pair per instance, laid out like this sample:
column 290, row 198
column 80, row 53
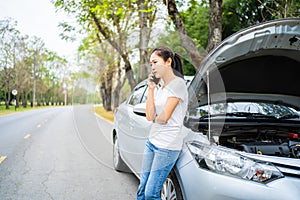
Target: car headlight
column 228, row 162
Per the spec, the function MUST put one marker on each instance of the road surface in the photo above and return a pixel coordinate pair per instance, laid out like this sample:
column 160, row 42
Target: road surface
column 60, row 153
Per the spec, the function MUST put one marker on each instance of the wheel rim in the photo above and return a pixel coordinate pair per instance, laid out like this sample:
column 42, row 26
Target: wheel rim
column 168, row 191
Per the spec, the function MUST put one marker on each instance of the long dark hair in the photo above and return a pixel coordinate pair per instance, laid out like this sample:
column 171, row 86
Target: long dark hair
column 166, row 53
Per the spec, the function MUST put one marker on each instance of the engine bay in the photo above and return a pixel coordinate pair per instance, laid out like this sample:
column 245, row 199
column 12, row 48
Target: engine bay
column 272, row 142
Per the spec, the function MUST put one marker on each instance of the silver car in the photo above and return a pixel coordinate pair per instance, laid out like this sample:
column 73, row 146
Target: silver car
column 242, row 127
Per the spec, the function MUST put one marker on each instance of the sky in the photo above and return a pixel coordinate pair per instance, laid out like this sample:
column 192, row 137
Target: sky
column 39, row 18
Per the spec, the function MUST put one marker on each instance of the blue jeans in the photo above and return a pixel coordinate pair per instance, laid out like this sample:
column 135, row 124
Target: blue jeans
column 157, row 164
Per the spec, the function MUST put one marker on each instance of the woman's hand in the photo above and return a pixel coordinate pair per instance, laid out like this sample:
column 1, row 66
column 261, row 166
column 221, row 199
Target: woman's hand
column 151, row 83
column 150, row 106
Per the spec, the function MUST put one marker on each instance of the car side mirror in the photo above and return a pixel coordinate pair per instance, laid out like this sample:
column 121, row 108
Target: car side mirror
column 140, row 109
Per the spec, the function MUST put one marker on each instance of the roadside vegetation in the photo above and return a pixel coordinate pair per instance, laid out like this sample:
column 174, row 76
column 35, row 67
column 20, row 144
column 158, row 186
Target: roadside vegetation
column 12, row 109
column 116, row 41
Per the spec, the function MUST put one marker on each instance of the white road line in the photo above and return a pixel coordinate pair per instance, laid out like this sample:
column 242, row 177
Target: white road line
column 2, row 158
column 27, row 136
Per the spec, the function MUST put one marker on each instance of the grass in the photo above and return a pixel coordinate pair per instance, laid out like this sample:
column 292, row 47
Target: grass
column 4, row 111
column 108, row 115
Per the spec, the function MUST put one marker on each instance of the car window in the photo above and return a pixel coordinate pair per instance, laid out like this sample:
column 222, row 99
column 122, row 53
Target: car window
column 137, row 95
column 144, row 99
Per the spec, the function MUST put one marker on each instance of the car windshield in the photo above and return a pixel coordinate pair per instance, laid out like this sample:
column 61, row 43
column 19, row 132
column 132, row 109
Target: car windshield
column 245, row 109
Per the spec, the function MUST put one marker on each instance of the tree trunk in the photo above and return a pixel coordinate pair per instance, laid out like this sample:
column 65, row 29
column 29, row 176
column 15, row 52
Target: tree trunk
column 187, row 43
column 117, row 89
column 17, row 98
column 24, row 100
column 145, row 29
column 7, row 97
column 108, row 92
column 106, row 89
column 129, row 75
column 215, row 24
column 102, row 93
column 116, row 94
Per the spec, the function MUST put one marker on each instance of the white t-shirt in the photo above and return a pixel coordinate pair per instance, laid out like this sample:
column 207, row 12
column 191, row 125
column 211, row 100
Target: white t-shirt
column 169, row 136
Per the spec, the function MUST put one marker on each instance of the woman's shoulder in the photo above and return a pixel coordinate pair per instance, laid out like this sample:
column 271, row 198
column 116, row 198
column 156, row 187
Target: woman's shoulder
column 178, row 85
column 179, row 81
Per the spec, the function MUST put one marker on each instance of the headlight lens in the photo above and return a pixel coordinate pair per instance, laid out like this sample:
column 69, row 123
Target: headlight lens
column 228, row 162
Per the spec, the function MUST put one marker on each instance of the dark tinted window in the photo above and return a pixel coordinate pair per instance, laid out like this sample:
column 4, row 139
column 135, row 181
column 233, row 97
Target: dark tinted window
column 137, row 95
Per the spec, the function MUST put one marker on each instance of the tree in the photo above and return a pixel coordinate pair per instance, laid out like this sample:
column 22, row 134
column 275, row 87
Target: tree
column 99, row 61
column 172, row 40
column 110, row 23
column 22, row 71
column 215, row 24
column 196, row 20
column 118, row 26
column 147, row 13
column 239, row 14
column 186, row 41
column 8, row 43
column 215, row 28
column 29, row 67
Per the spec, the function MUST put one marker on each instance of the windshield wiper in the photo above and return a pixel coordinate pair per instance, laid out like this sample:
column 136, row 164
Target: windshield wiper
column 250, row 115
column 241, row 114
column 289, row 116
column 212, row 115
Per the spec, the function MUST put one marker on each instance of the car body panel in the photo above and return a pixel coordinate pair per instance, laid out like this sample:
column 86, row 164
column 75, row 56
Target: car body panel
column 132, row 140
column 132, row 132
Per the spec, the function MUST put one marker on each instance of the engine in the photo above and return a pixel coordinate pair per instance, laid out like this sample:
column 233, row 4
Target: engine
column 265, row 142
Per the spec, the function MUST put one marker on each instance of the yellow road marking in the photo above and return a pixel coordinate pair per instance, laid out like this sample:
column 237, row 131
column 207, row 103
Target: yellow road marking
column 2, row 158
column 27, row 136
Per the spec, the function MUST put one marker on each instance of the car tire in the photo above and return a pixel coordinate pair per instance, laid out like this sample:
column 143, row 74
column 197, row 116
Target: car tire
column 171, row 189
column 119, row 164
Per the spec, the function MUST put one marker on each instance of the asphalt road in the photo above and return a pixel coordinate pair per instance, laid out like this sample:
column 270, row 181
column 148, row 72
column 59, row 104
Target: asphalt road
column 60, row 153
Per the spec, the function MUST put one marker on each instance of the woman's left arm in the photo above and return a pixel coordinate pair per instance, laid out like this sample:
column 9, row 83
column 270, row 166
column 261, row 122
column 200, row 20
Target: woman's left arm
column 168, row 109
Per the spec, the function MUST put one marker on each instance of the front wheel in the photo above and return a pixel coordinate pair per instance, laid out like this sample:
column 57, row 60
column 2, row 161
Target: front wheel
column 119, row 164
column 171, row 189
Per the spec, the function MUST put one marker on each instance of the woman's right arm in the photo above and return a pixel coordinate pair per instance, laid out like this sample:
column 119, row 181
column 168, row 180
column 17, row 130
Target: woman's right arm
column 150, row 106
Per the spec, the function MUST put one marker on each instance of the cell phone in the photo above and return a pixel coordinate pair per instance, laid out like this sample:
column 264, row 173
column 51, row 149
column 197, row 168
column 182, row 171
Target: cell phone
column 155, row 80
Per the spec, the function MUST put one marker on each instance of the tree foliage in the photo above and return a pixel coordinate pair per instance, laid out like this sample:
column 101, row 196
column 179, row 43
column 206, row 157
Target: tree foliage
column 239, row 14
column 117, row 37
column 29, row 67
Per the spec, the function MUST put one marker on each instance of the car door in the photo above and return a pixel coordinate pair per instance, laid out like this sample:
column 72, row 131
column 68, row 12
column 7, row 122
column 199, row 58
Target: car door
column 135, row 129
column 139, row 134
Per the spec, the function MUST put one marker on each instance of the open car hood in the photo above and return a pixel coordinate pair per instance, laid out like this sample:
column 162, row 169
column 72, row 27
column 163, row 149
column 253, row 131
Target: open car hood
column 260, row 63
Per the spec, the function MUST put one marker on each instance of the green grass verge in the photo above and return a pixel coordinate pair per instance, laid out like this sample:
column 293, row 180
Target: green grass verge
column 11, row 110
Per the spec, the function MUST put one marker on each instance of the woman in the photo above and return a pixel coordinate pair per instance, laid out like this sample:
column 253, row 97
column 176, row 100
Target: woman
column 166, row 109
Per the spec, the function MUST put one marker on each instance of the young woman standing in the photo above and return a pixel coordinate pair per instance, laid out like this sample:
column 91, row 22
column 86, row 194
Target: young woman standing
column 167, row 110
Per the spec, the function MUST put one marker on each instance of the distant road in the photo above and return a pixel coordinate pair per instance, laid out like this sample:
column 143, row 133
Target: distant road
column 62, row 153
